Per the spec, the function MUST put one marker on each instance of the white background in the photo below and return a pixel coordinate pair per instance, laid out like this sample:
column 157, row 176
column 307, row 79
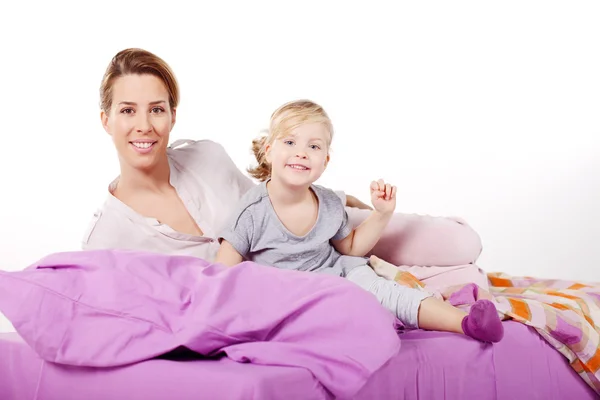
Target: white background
column 484, row 110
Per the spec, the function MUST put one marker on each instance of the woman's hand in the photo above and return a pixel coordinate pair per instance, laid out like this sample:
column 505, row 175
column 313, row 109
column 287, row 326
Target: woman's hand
column 383, row 196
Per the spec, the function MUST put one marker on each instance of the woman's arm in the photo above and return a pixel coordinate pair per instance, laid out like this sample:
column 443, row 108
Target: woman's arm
column 228, row 255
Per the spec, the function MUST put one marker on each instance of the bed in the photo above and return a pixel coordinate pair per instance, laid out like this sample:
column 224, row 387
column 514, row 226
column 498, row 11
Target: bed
column 429, row 365
column 128, row 325
column 24, row 375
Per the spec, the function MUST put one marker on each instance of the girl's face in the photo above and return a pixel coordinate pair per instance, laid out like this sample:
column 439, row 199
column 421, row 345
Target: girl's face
column 140, row 120
column 301, row 157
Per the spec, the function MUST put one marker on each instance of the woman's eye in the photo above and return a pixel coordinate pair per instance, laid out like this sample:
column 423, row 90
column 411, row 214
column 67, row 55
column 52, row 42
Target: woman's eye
column 127, row 111
column 157, row 110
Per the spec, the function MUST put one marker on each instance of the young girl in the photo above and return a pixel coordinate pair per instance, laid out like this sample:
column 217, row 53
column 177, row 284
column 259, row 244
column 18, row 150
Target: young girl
column 289, row 222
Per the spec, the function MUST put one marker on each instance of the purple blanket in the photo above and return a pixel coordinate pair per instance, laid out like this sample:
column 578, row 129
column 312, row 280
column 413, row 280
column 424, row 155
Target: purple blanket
column 111, row 308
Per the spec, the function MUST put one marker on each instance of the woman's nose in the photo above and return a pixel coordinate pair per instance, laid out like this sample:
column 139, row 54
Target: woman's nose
column 143, row 123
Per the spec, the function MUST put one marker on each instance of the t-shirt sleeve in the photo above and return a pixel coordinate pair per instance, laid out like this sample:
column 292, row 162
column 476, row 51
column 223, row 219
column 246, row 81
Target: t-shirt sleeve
column 342, row 195
column 345, row 226
column 238, row 232
column 337, row 211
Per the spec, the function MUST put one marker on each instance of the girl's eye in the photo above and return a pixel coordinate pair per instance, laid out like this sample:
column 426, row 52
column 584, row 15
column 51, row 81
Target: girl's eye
column 289, row 142
column 315, row 147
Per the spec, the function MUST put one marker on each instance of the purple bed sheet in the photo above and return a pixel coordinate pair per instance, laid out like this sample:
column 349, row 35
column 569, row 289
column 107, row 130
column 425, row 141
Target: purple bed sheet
column 25, row 376
column 430, row 365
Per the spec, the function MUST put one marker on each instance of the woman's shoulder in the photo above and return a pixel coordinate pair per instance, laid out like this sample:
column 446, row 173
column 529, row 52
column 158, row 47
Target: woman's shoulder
column 187, row 150
column 209, row 161
column 195, row 145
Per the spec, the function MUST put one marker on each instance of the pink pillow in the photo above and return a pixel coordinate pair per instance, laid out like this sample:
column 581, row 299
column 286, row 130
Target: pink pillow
column 412, row 239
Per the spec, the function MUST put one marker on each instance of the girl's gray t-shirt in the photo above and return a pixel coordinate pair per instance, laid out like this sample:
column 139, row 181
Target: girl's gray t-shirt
column 256, row 232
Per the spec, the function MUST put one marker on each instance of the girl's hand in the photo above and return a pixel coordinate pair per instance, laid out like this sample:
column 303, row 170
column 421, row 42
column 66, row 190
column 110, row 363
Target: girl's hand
column 383, row 197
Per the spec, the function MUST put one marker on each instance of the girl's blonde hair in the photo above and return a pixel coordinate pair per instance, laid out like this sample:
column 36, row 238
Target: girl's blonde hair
column 283, row 121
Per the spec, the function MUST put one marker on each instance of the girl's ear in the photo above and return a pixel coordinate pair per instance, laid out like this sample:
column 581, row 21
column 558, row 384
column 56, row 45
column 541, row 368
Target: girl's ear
column 268, row 153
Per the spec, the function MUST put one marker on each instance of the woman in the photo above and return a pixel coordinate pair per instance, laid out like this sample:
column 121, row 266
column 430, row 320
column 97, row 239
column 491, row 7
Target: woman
column 167, row 199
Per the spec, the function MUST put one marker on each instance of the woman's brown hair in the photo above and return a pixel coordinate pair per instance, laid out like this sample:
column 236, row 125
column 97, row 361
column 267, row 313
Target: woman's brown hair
column 138, row 62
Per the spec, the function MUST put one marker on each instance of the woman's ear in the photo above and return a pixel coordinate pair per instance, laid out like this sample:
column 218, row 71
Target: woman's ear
column 173, row 117
column 104, row 119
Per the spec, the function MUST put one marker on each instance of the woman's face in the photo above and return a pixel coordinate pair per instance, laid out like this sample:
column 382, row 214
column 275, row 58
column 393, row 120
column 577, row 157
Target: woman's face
column 140, row 120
